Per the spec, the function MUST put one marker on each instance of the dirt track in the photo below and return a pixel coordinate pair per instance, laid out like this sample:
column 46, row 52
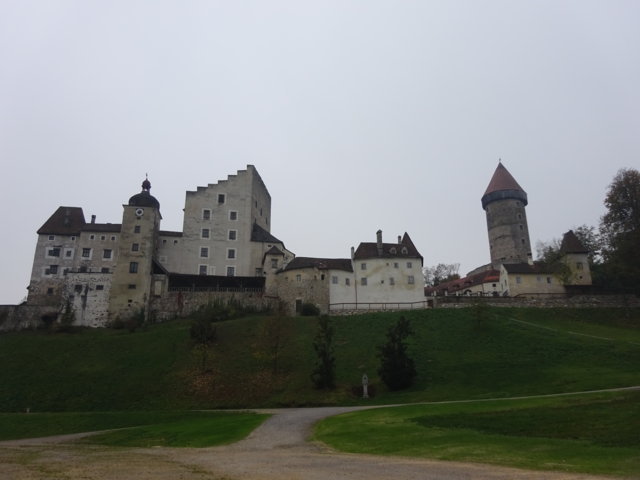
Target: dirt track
column 276, row 450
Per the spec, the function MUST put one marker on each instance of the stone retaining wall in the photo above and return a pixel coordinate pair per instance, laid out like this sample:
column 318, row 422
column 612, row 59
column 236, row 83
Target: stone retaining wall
column 25, row 317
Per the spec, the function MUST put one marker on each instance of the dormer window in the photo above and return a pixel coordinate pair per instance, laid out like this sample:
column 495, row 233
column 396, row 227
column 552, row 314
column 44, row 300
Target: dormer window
column 404, row 250
column 393, row 250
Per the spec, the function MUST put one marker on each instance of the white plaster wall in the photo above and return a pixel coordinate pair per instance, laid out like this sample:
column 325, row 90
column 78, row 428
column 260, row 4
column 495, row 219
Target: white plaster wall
column 90, row 294
column 379, row 288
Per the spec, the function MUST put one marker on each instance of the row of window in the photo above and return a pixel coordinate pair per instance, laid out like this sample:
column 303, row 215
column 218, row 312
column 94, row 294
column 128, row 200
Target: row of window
column 363, row 266
column 206, row 214
column 107, row 253
column 91, row 237
column 231, row 253
column 207, row 270
column 55, row 269
column 231, row 234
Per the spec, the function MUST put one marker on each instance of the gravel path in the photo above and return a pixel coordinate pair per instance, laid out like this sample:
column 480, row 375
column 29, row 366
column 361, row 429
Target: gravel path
column 278, row 449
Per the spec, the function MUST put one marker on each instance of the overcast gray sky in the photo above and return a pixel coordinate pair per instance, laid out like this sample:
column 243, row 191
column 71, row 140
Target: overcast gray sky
column 359, row 115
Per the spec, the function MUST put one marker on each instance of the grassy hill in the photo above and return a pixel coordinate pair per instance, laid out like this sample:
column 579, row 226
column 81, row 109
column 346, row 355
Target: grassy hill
column 459, row 355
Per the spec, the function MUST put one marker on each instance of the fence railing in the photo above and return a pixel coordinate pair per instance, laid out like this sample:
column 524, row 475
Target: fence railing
column 216, row 289
column 377, row 306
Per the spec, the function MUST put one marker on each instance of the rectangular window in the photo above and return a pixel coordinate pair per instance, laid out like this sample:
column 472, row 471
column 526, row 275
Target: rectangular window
column 363, row 266
column 298, row 278
column 363, row 281
column 92, row 237
column 113, row 238
column 518, row 279
column 395, row 265
column 106, row 253
column 579, row 266
column 52, row 237
column 392, row 281
column 221, row 198
column 205, row 233
column 132, row 286
column 202, row 269
column 104, row 270
column 548, row 279
column 233, row 215
column 206, row 214
column 86, row 253
column 411, row 280
column 204, row 252
column 274, row 263
column 53, row 269
column 409, row 265
column 347, row 281
column 334, row 279
column 231, row 253
column 133, row 267
column 233, row 234
column 53, row 252
column 103, row 238
column 231, row 271
column 68, row 253
column 136, row 229
column 135, row 247
column 99, row 287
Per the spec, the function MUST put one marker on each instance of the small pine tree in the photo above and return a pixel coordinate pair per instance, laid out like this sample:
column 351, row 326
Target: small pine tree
column 397, row 370
column 324, row 373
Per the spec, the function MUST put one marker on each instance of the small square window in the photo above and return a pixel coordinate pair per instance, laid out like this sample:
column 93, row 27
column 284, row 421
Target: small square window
column 164, row 241
column 99, row 287
column 233, row 234
column 205, row 233
column 221, row 198
column 103, row 238
column 136, row 229
column 409, row 265
column 233, row 215
column 274, row 263
column 204, row 252
column 77, row 288
column 298, row 278
column 392, row 281
column 135, row 247
column 86, row 252
column 113, row 238
column 231, row 271
column 175, row 242
column 363, row 281
column 206, row 214
column 363, row 266
column 395, row 265
column 54, row 252
column 107, row 253
column 104, row 270
column 68, row 253
column 411, row 280
column 49, row 291
column 52, row 237
column 133, row 267
column 132, row 286
column 202, row 269
column 231, row 253
column 53, row 269
column 334, row 279
column 92, row 237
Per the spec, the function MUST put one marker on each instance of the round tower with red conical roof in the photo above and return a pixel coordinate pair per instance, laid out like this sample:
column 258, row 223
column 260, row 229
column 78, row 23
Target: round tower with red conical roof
column 504, row 202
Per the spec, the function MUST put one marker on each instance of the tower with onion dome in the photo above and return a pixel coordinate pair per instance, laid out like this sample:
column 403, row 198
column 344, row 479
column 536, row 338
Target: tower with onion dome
column 137, row 248
column 504, row 203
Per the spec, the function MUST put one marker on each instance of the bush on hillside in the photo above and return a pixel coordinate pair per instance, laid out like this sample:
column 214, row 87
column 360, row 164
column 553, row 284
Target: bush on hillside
column 309, row 310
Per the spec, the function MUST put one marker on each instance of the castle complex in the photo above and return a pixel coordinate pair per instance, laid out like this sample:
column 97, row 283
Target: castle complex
column 110, row 271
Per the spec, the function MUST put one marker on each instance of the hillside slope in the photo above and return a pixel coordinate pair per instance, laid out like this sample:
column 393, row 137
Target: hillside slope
column 459, row 354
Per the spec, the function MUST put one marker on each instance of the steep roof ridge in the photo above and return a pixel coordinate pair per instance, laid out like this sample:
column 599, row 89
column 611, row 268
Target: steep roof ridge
column 502, row 180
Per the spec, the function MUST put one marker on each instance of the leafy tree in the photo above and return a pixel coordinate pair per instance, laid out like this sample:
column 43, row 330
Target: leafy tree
column 397, row 370
column 620, row 230
column 441, row 273
column 203, row 334
column 274, row 338
column 323, row 375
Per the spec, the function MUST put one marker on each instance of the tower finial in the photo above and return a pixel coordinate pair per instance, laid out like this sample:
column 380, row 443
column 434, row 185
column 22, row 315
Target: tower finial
column 146, row 185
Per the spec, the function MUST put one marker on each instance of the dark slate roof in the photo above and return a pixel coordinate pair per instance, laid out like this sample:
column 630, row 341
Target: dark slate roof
column 167, row 233
column 572, row 244
column 525, row 268
column 502, row 180
column 64, row 221
column 274, row 251
column 389, row 250
column 102, row 227
column 259, row 234
column 320, row 263
column 144, row 199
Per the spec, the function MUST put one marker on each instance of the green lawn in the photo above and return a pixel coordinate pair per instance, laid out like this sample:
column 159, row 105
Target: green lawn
column 595, row 433
column 513, row 352
column 140, row 429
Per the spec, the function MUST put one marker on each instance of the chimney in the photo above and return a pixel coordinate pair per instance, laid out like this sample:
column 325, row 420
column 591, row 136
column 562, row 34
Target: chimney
column 353, row 251
column 399, row 239
column 379, row 242
column 93, row 219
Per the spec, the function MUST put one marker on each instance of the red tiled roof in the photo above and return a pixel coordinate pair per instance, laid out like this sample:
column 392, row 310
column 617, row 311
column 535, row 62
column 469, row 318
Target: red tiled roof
column 502, row 180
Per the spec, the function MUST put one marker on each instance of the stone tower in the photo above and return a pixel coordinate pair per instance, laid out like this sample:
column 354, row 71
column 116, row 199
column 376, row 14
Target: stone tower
column 131, row 284
column 504, row 202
